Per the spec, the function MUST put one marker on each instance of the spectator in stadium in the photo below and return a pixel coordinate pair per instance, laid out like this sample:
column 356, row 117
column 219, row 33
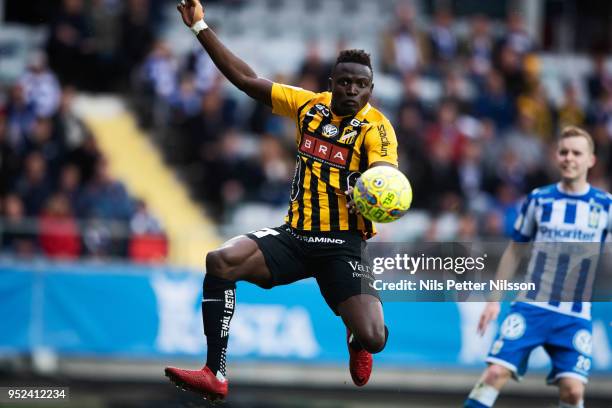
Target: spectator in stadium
column 571, row 111
column 105, row 39
column 516, row 35
column 446, row 130
column 21, row 116
column 48, row 143
column 315, row 66
column 510, row 64
column 494, row 103
column 68, row 126
column 523, row 141
column 18, row 232
column 34, row 185
column 85, row 157
column 443, row 42
column 70, row 46
column 202, row 68
column 9, row 160
column 479, row 46
column 147, row 242
column 534, row 103
column 40, row 86
column 58, row 230
column 106, row 198
column 136, row 34
column 402, row 44
column 472, row 176
column 69, row 186
column 599, row 80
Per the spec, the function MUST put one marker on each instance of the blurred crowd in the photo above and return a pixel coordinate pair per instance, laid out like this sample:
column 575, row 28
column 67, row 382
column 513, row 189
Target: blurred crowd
column 475, row 125
column 477, row 147
column 57, row 197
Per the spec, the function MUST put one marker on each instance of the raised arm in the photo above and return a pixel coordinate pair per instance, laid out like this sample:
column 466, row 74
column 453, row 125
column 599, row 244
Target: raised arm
column 233, row 68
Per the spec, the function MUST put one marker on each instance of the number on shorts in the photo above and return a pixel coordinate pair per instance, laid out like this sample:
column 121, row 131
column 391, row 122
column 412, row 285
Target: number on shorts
column 264, row 232
column 584, row 363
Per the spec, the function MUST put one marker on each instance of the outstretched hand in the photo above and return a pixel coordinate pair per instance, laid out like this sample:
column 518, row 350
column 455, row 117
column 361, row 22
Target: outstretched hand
column 490, row 312
column 350, row 203
column 191, row 11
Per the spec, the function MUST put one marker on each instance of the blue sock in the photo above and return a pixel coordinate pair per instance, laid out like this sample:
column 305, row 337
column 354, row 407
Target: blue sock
column 470, row 403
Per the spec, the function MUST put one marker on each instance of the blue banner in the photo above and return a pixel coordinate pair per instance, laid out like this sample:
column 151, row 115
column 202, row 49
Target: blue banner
column 142, row 312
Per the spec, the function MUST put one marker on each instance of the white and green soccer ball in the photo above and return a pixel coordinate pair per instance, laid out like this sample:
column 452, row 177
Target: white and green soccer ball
column 382, row 194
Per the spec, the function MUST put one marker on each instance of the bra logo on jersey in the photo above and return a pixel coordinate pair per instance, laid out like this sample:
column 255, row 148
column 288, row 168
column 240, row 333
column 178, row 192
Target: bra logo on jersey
column 326, row 152
column 329, row 130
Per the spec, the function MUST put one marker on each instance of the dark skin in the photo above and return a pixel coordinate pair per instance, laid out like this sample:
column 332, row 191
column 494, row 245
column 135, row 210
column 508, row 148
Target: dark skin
column 240, row 259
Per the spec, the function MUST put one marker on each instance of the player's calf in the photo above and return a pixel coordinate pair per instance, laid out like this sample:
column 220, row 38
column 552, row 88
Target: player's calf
column 371, row 338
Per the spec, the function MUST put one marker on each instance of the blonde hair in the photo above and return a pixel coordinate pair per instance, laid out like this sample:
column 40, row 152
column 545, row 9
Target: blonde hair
column 575, row 131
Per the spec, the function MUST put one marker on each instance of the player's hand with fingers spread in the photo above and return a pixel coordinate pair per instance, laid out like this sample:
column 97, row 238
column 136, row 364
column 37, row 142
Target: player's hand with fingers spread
column 490, row 312
column 350, row 204
column 191, row 11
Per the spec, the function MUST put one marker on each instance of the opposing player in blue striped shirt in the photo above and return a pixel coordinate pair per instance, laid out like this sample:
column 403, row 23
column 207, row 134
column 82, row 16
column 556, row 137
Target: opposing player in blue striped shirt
column 567, row 223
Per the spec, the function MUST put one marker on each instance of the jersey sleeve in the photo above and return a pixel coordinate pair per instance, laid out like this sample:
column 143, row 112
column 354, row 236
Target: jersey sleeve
column 525, row 224
column 381, row 143
column 286, row 99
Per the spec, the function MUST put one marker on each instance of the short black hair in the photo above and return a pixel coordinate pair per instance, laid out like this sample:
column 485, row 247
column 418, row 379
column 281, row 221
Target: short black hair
column 356, row 56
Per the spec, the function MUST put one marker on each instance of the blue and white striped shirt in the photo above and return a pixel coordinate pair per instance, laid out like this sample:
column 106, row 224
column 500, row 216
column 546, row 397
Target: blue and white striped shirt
column 568, row 231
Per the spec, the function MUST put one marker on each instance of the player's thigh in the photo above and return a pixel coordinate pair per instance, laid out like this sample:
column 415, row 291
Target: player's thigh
column 239, row 259
column 341, row 278
column 521, row 331
column 570, row 348
column 282, row 254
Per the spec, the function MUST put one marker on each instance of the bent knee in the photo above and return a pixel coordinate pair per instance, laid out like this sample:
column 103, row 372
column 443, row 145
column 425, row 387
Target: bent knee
column 496, row 374
column 222, row 263
column 571, row 393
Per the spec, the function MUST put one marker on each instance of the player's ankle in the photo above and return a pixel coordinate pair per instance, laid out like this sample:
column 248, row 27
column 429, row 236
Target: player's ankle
column 483, row 395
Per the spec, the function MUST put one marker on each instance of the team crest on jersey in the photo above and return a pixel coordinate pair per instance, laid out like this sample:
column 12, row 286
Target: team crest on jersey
column 348, row 137
column 513, row 327
column 329, row 130
column 595, row 210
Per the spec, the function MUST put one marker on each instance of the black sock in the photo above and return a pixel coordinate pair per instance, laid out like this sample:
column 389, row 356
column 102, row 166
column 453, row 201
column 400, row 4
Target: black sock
column 217, row 311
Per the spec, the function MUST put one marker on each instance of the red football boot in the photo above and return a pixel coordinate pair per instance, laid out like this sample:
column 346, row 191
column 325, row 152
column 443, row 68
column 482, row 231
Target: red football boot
column 203, row 382
column 360, row 364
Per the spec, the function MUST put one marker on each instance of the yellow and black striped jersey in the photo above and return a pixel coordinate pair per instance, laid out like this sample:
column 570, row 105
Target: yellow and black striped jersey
column 332, row 153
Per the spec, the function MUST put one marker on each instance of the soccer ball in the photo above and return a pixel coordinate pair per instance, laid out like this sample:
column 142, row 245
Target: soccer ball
column 382, row 194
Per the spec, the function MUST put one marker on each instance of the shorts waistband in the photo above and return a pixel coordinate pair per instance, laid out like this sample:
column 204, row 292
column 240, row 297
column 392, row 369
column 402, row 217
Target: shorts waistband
column 324, row 237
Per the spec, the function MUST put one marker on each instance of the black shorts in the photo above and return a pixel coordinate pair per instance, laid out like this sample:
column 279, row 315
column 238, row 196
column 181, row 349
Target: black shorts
column 334, row 259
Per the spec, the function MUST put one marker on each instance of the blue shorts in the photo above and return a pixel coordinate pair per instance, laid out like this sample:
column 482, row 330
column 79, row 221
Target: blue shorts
column 566, row 339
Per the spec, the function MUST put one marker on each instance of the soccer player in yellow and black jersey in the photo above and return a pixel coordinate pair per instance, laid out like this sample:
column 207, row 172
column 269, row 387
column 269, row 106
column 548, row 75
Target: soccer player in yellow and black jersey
column 338, row 136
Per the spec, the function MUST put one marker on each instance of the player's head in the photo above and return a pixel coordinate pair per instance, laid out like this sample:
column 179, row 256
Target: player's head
column 575, row 154
column 351, row 82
